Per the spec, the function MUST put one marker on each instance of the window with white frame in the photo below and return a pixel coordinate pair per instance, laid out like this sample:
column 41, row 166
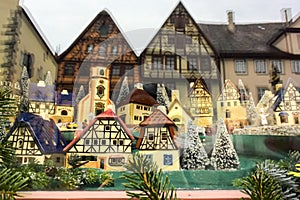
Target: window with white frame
column 170, row 62
column 192, row 63
column 296, row 66
column 278, row 64
column 157, row 63
column 240, row 67
column 261, row 92
column 260, row 67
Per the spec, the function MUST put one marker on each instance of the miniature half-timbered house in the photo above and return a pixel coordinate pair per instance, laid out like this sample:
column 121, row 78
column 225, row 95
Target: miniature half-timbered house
column 106, row 143
column 178, row 54
column 287, row 104
column 229, row 106
column 179, row 115
column 157, row 141
column 95, row 102
column 201, row 106
column 42, row 99
column 102, row 43
column 36, row 139
column 136, row 107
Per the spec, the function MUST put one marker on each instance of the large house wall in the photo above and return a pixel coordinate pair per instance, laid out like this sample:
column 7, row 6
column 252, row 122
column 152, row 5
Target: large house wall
column 252, row 80
column 23, row 39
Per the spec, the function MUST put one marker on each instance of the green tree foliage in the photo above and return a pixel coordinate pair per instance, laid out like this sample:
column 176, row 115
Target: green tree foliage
column 8, row 108
column 272, row 180
column 148, row 180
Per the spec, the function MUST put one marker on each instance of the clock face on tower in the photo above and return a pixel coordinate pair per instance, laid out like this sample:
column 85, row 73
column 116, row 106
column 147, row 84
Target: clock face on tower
column 100, row 91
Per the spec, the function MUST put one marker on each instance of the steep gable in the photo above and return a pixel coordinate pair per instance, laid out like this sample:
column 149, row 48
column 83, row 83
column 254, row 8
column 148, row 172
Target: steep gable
column 105, row 133
column 229, row 92
column 32, row 135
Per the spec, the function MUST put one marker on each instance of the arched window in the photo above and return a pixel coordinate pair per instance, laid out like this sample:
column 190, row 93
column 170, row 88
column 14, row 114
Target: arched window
column 64, row 112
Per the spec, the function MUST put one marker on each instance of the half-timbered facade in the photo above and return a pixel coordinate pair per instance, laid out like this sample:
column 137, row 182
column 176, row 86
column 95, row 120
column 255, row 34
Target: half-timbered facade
column 36, row 139
column 157, row 140
column 287, row 104
column 106, row 142
column 179, row 54
column 229, row 106
column 201, row 105
column 100, row 44
column 42, row 99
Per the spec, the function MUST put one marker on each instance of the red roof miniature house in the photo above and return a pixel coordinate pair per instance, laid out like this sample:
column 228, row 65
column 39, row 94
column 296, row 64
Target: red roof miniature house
column 157, row 140
column 105, row 143
column 136, row 106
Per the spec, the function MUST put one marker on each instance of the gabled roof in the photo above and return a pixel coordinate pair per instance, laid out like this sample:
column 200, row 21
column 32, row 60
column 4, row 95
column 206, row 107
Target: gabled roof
column 228, row 83
column 279, row 96
column 45, row 133
column 108, row 114
column 157, row 118
column 176, row 101
column 199, row 81
column 246, row 40
column 189, row 15
column 139, row 96
column 104, row 12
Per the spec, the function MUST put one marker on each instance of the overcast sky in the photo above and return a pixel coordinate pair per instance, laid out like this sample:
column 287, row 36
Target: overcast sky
column 62, row 21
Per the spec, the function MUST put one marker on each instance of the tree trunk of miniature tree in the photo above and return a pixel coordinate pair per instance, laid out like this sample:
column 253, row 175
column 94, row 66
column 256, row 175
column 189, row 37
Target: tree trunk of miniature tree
column 224, row 155
column 194, row 155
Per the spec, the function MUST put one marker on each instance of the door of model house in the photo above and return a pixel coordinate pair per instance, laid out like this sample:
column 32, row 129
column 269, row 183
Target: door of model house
column 102, row 164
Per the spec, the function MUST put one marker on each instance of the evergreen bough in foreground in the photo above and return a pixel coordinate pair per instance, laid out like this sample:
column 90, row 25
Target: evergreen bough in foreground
column 147, row 180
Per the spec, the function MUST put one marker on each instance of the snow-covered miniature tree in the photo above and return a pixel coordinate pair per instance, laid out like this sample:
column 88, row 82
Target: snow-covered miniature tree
column 162, row 95
column 124, row 91
column 244, row 97
column 80, row 94
column 224, row 156
column 24, row 83
column 48, row 79
column 194, row 155
column 252, row 114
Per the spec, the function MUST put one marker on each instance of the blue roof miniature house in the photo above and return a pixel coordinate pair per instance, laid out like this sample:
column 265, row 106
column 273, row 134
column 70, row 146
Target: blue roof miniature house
column 36, row 139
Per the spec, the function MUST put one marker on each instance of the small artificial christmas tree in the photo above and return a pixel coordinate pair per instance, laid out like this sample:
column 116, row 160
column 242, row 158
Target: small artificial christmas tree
column 224, row 155
column 80, row 94
column 252, row 114
column 162, row 95
column 124, row 91
column 24, row 99
column 194, row 155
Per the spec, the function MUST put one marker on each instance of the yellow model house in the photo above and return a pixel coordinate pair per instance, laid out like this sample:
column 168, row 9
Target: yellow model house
column 105, row 143
column 287, row 104
column 179, row 115
column 229, row 106
column 201, row 106
column 136, row 107
column 157, row 141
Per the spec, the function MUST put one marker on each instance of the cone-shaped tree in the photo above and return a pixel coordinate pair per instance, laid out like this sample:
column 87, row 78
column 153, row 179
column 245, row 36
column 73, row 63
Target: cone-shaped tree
column 194, row 155
column 124, row 91
column 224, row 155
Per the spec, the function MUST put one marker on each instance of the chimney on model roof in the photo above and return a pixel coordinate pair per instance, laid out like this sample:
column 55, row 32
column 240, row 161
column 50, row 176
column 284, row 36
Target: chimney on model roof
column 231, row 24
column 286, row 14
